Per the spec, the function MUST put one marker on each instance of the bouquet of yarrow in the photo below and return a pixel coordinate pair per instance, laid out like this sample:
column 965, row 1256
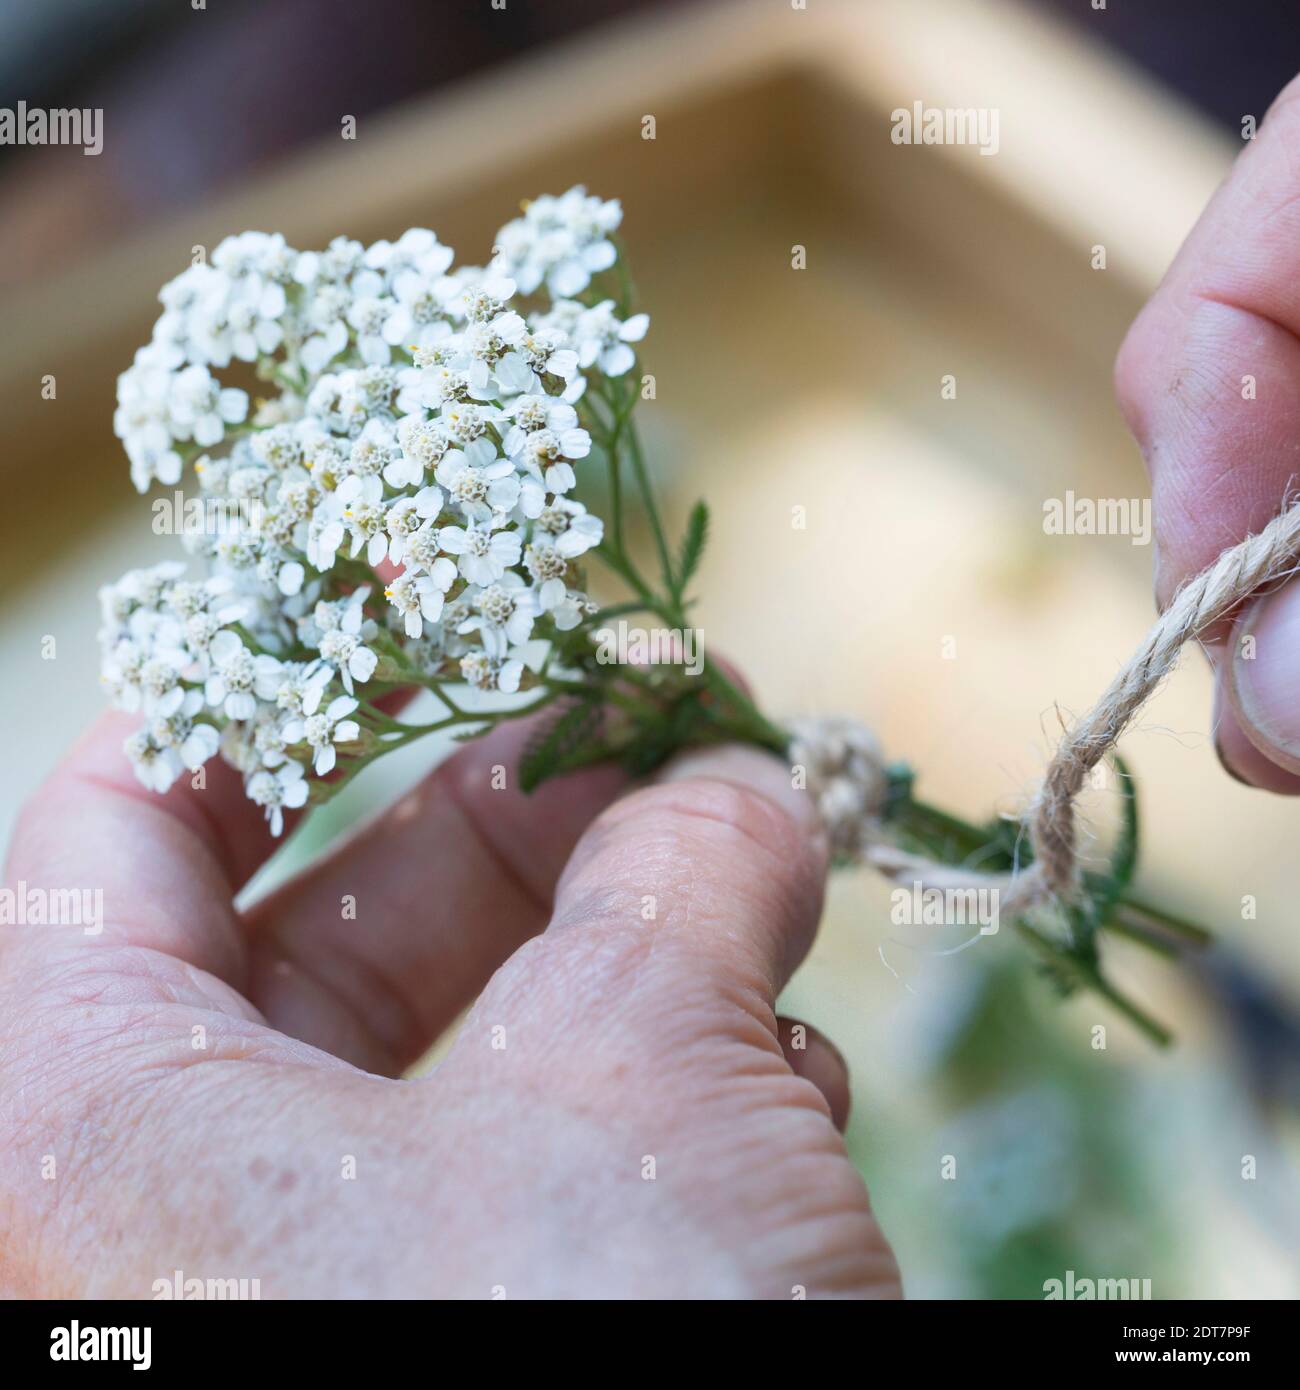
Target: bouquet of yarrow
column 399, row 514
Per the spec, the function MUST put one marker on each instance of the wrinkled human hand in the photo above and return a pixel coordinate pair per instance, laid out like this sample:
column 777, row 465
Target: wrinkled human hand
column 219, row 1092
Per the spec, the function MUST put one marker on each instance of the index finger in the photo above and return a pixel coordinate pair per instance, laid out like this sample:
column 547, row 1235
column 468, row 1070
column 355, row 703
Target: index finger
column 1209, row 375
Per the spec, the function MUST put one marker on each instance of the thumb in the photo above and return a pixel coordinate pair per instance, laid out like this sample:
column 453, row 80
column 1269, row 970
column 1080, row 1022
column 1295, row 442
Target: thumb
column 1260, row 684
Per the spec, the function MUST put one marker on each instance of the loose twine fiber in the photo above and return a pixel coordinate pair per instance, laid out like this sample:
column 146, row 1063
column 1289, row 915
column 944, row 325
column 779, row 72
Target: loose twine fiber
column 846, row 770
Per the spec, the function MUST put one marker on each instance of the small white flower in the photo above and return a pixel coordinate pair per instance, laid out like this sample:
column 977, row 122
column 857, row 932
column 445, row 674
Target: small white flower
column 193, row 743
column 365, row 516
column 369, row 316
column 254, row 317
column 326, row 532
column 156, row 767
column 327, row 315
column 564, row 241
column 602, row 339
column 143, row 416
column 120, row 673
column 484, row 672
column 566, row 607
column 466, row 422
column 484, row 555
column 481, row 345
column 200, row 744
column 571, row 528
column 335, row 264
column 556, row 419
column 474, row 295
column 406, row 515
column 345, row 652
column 200, row 409
column 279, row 448
column 212, row 595
column 323, row 730
column 503, row 613
column 269, row 745
column 548, row 349
column 283, row 789
column 149, row 464
column 479, row 489
column 229, row 687
column 423, row 444
column 373, row 451
column 416, row 318
column 417, row 250
column 160, row 687
column 421, row 597
column 295, row 687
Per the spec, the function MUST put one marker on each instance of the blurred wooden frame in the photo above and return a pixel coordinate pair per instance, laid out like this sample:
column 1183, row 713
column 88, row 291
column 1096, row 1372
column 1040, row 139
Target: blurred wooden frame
column 746, row 95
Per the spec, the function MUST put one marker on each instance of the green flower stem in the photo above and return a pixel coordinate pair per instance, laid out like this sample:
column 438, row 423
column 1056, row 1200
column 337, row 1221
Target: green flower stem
column 385, row 722
column 409, row 733
column 757, row 728
column 961, row 843
column 651, row 508
column 618, row 610
column 626, row 289
column 1089, row 976
column 1121, row 927
column 616, row 495
column 612, row 554
column 1143, row 914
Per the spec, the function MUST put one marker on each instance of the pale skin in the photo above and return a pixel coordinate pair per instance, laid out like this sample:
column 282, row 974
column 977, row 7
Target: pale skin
column 1224, row 451
column 519, row 1168
column 522, row 1169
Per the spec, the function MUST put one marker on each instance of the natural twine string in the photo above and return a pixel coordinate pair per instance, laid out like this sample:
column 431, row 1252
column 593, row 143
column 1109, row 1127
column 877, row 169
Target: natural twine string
column 846, row 770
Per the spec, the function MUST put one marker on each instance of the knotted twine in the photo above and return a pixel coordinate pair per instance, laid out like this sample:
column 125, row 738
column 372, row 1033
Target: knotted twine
column 846, row 771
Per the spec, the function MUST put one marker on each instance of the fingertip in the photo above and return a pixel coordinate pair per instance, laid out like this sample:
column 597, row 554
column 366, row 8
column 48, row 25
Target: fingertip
column 1259, row 690
column 719, row 858
column 1237, row 750
column 755, row 769
column 812, row 1055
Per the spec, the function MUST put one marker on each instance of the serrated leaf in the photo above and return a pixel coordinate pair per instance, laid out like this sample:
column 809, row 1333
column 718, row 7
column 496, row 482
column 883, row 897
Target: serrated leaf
column 662, row 736
column 1105, row 890
column 563, row 743
column 469, row 735
column 693, row 543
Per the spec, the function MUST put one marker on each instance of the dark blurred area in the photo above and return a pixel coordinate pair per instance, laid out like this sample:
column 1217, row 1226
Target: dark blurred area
column 198, row 98
column 1229, row 57
column 195, row 99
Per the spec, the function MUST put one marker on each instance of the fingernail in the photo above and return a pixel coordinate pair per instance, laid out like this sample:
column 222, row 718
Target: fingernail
column 751, row 767
column 1265, row 681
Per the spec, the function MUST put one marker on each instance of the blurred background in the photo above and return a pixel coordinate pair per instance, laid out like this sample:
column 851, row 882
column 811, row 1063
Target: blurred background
column 922, row 596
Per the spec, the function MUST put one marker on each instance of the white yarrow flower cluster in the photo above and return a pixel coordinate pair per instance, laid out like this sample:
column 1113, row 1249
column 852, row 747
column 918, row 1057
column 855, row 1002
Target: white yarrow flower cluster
column 401, row 512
